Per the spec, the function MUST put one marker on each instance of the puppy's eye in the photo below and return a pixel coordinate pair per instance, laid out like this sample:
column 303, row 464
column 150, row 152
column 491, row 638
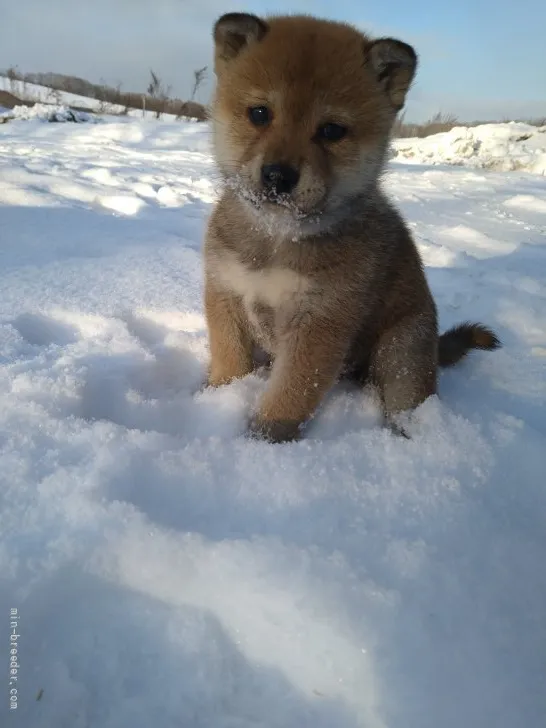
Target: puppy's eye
column 331, row 132
column 259, row 115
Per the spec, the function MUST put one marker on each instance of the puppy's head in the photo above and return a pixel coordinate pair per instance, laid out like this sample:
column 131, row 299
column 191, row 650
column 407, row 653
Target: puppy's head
column 302, row 112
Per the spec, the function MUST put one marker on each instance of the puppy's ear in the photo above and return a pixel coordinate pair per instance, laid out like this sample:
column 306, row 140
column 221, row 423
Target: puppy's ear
column 234, row 31
column 394, row 64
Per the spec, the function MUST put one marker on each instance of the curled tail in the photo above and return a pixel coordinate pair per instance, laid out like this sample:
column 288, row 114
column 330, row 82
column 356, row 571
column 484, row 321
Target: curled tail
column 457, row 342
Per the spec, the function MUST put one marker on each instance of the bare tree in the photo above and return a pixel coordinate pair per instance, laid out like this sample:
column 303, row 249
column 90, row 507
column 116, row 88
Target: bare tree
column 156, row 90
column 199, row 76
column 14, row 77
column 13, row 73
column 53, row 96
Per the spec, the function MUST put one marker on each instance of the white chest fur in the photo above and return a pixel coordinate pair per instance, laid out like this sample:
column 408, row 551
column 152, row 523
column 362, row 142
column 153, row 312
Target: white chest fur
column 273, row 287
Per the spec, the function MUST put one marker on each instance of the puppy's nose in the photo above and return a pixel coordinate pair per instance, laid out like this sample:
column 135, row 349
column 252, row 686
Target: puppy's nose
column 280, row 178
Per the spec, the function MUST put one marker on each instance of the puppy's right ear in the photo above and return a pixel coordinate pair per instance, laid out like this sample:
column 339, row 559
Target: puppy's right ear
column 234, row 31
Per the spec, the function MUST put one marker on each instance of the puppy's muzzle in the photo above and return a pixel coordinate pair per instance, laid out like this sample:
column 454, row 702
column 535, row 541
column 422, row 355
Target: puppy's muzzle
column 279, row 179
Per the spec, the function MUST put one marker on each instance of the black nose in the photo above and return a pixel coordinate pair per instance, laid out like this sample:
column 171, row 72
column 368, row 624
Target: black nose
column 280, row 178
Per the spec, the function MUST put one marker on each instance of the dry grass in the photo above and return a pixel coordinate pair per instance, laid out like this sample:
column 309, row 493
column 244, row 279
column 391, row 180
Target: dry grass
column 158, row 104
column 539, row 121
column 438, row 123
column 8, row 101
column 442, row 122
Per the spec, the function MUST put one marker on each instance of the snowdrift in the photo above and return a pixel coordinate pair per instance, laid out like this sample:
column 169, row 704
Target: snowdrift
column 500, row 147
column 46, row 112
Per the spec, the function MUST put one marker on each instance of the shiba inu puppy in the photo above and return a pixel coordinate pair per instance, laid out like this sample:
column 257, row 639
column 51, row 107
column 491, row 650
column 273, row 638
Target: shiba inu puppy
column 304, row 255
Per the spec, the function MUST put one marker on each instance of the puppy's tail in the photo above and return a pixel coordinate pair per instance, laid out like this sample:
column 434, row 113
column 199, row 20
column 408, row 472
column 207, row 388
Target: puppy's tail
column 458, row 341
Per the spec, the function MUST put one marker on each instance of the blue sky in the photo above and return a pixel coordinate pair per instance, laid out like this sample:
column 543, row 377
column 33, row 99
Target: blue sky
column 480, row 59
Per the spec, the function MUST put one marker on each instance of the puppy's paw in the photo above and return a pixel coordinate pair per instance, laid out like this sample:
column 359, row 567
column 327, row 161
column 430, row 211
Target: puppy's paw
column 275, row 431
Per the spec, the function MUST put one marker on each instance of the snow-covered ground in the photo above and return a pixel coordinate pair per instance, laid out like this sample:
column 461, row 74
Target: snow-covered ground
column 170, row 572
column 500, row 147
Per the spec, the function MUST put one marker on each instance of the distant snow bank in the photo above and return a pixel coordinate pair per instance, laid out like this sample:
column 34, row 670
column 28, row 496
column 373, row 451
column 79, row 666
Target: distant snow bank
column 46, row 112
column 44, row 95
column 501, row 147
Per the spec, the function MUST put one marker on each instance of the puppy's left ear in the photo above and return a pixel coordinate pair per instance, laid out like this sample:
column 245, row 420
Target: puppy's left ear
column 232, row 33
column 394, row 64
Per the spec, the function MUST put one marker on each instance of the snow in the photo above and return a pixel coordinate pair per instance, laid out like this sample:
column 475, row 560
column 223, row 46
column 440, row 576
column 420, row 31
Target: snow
column 46, row 112
column 169, row 571
column 502, row 147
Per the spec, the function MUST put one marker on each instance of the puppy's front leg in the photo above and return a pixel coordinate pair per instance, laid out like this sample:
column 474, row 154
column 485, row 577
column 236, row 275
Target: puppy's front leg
column 306, row 366
column 230, row 343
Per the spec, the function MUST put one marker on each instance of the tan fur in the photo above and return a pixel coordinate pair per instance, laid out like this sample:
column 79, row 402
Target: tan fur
column 326, row 279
